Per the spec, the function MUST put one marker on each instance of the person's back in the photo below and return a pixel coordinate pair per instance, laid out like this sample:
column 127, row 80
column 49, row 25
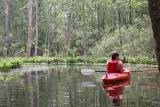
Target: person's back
column 114, row 65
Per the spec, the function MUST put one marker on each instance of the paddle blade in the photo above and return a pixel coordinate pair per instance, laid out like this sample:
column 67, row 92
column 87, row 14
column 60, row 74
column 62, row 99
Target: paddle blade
column 87, row 71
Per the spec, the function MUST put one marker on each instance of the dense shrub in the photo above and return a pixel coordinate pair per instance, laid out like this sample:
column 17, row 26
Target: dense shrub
column 10, row 63
column 130, row 41
column 70, row 60
column 7, row 64
column 141, row 60
column 101, row 60
column 79, row 59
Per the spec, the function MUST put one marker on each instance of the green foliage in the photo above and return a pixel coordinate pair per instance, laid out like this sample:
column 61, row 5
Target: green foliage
column 101, row 60
column 141, row 60
column 70, row 60
column 79, row 59
column 39, row 59
column 92, row 25
column 130, row 42
column 9, row 63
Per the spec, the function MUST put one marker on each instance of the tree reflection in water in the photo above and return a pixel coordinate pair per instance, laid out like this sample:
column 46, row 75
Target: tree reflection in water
column 31, row 90
column 65, row 86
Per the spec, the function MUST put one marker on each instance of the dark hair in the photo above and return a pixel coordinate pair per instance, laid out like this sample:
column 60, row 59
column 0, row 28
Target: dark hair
column 114, row 56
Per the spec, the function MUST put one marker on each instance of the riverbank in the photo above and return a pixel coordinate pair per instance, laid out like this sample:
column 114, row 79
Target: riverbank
column 7, row 64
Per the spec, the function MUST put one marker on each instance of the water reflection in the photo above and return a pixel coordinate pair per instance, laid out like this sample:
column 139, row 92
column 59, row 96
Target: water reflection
column 65, row 86
column 31, row 90
column 115, row 91
column 88, row 84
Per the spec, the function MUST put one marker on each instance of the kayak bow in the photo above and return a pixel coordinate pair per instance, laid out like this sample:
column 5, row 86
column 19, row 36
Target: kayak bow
column 112, row 78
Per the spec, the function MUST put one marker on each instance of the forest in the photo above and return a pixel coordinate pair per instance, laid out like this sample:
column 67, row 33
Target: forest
column 69, row 28
column 62, row 27
column 79, row 53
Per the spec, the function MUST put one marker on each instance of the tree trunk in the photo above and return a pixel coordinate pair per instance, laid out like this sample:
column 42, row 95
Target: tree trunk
column 48, row 46
column 6, row 27
column 103, row 19
column 70, row 26
column 37, row 35
column 154, row 9
column 29, row 45
column 130, row 12
column 84, row 34
column 122, row 9
column 119, row 18
column 98, row 16
column 47, row 38
column 120, row 12
column 113, row 17
column 45, row 44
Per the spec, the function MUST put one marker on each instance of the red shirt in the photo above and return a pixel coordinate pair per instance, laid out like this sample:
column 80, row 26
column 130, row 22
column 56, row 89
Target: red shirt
column 114, row 66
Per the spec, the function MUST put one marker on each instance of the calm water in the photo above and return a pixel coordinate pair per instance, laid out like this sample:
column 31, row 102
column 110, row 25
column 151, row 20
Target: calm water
column 65, row 86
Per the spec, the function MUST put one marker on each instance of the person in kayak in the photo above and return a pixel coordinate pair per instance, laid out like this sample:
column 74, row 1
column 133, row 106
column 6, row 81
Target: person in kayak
column 114, row 65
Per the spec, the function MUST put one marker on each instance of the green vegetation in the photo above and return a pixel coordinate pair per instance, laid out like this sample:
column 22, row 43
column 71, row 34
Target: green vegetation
column 72, row 28
column 143, row 45
column 10, row 63
column 141, row 60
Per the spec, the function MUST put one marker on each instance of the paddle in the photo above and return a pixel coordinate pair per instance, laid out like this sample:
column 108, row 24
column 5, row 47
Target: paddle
column 87, row 71
column 91, row 70
column 130, row 71
column 100, row 71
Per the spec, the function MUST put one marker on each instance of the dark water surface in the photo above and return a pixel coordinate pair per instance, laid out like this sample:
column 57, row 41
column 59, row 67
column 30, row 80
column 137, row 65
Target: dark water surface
column 65, row 86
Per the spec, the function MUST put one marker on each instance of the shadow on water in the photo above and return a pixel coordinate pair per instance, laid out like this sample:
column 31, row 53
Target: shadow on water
column 65, row 86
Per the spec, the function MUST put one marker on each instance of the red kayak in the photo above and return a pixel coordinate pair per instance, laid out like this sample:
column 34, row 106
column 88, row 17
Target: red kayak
column 116, row 85
column 112, row 78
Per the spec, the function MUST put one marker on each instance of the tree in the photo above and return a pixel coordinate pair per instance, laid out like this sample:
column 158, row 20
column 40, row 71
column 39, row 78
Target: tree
column 37, row 35
column 70, row 25
column 29, row 45
column 154, row 9
column 130, row 12
column 85, row 23
column 113, row 17
column 6, row 27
